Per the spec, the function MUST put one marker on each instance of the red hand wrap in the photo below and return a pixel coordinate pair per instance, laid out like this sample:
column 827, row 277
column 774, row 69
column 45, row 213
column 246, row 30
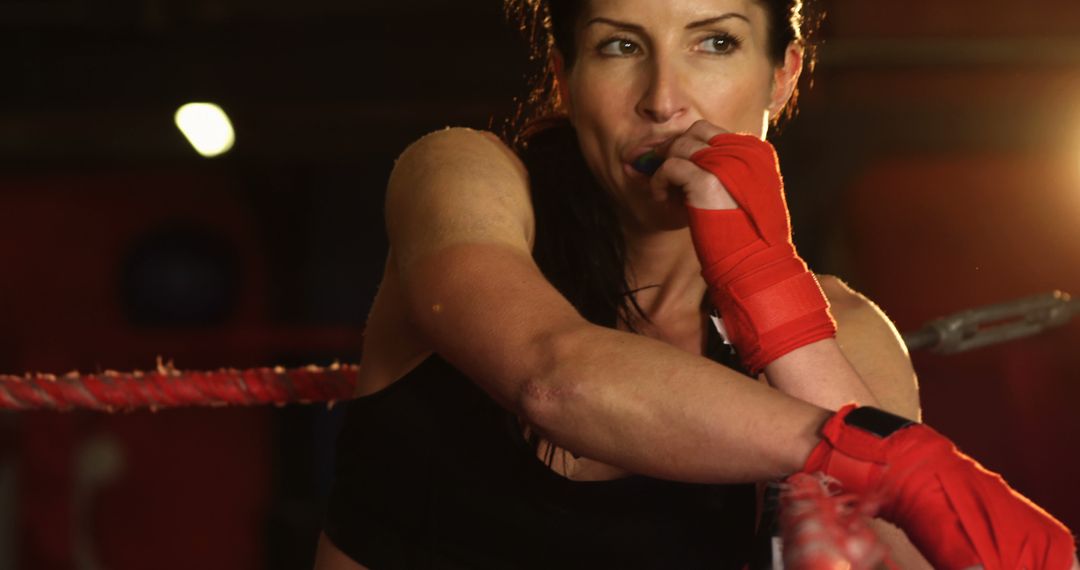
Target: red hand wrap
column 770, row 302
column 955, row 511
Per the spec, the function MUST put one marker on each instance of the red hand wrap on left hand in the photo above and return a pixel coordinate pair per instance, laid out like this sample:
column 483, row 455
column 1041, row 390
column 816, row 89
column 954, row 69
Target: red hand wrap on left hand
column 770, row 302
column 955, row 511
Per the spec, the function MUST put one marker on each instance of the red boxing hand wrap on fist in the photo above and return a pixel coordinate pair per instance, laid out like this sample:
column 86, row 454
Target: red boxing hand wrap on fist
column 771, row 304
column 956, row 512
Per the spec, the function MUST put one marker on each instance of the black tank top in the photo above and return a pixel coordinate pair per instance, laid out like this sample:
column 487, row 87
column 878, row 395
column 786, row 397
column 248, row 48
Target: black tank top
column 431, row 473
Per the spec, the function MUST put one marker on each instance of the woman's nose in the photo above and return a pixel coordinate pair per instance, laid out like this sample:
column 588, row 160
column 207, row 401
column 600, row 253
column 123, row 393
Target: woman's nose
column 663, row 99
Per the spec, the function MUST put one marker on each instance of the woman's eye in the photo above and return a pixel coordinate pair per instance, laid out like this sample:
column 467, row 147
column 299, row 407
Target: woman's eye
column 722, row 43
column 618, row 47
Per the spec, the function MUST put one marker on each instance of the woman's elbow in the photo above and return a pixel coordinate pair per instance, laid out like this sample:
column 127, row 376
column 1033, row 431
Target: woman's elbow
column 553, row 382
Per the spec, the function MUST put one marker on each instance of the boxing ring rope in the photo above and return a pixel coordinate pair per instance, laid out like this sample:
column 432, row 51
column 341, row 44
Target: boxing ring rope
column 168, row 387
column 821, row 529
column 818, row 528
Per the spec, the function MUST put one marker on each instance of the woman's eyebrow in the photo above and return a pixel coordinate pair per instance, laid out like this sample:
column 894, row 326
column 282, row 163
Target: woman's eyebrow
column 690, row 26
column 711, row 21
column 615, row 23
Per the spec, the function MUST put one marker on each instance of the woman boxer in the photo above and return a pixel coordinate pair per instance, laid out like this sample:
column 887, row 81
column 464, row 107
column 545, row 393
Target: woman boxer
column 543, row 384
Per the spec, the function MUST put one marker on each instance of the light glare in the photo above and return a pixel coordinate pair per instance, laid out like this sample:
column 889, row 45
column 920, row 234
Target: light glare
column 206, row 127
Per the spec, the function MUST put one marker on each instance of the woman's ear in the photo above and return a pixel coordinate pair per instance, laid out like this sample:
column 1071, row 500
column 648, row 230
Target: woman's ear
column 558, row 65
column 786, row 79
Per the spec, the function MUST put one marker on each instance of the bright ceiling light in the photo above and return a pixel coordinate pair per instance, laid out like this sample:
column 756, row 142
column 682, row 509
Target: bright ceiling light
column 206, row 127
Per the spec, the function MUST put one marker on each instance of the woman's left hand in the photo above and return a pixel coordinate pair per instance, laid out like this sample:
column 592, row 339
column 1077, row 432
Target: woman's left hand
column 701, row 188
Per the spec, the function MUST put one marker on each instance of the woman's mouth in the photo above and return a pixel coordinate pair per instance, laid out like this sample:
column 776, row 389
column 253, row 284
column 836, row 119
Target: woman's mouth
column 647, row 163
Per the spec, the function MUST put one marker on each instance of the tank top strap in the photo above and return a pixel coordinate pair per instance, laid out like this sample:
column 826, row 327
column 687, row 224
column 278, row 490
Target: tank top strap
column 717, row 347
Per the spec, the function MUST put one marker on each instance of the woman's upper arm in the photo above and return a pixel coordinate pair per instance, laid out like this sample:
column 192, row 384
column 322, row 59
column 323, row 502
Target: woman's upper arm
column 460, row 223
column 456, row 186
column 875, row 349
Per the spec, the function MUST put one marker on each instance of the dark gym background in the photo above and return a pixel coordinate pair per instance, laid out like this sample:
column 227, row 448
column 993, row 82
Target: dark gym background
column 935, row 166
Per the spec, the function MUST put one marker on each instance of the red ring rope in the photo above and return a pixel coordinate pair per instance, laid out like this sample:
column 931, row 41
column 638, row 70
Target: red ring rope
column 168, row 387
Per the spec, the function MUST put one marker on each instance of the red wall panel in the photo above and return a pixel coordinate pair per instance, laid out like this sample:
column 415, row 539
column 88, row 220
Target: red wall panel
column 176, row 489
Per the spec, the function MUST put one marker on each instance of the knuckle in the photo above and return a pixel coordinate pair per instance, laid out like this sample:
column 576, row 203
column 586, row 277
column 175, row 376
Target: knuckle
column 700, row 125
column 681, row 146
column 668, row 170
column 705, row 130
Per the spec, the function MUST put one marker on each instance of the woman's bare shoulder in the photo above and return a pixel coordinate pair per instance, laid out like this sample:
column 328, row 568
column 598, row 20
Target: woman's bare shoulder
column 857, row 312
column 455, row 186
column 843, row 300
column 460, row 150
column 872, row 344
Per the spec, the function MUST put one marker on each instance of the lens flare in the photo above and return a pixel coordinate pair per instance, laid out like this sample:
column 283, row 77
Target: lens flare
column 206, row 127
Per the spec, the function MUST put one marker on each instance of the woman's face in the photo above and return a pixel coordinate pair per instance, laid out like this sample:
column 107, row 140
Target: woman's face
column 646, row 70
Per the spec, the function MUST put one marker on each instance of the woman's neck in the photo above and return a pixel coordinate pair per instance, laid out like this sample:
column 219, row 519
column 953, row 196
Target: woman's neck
column 664, row 270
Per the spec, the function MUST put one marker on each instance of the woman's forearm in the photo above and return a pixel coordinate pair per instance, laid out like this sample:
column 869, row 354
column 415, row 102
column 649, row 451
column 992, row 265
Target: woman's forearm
column 656, row 410
column 819, row 373
column 866, row 362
